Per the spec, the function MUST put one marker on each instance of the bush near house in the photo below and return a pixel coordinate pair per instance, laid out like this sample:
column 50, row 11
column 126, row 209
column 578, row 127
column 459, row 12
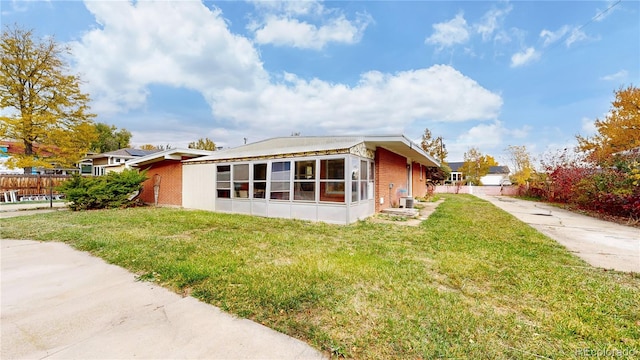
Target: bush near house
column 114, row 190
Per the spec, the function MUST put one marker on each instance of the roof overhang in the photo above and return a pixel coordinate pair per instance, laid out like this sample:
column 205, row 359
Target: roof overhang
column 298, row 146
column 169, row 154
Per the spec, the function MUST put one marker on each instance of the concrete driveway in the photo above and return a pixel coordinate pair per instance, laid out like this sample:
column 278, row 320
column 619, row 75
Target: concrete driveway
column 61, row 303
column 600, row 243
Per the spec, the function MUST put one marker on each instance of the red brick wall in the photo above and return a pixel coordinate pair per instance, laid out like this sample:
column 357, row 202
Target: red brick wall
column 419, row 185
column 170, row 193
column 390, row 168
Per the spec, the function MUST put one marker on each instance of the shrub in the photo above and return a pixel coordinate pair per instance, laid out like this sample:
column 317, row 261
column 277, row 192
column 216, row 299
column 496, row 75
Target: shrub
column 113, row 190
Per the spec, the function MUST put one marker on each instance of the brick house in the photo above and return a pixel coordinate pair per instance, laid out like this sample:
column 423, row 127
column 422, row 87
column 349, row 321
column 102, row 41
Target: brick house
column 164, row 172
column 336, row 179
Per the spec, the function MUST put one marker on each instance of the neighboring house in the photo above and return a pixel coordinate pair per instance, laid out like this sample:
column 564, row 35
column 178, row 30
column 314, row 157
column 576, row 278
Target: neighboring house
column 498, row 175
column 112, row 160
column 5, row 154
column 8, row 148
column 456, row 175
column 335, row 179
column 164, row 172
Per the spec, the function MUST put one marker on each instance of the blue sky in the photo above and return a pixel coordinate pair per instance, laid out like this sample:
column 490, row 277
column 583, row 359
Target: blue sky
column 481, row 74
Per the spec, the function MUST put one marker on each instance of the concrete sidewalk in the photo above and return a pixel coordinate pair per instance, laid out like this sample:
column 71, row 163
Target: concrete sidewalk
column 600, row 243
column 61, row 303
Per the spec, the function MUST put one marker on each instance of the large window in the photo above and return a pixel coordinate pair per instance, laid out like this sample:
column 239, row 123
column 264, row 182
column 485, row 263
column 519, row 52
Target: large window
column 304, row 184
column 332, row 180
column 223, row 184
column 280, row 180
column 355, row 177
column 259, row 181
column 363, row 179
column 241, row 181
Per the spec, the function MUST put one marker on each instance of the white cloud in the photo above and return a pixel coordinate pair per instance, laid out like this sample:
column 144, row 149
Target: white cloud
column 492, row 21
column 575, row 36
column 294, row 33
column 588, row 126
column 570, row 35
column 281, row 25
column 602, row 14
column 380, row 102
column 551, row 37
column 620, row 75
column 187, row 45
column 488, row 137
column 524, row 57
column 452, row 32
column 180, row 44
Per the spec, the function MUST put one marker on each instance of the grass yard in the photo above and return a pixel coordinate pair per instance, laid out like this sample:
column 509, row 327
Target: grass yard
column 470, row 282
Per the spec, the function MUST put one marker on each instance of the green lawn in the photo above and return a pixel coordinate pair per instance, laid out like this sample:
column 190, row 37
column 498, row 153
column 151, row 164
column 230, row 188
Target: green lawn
column 470, row 282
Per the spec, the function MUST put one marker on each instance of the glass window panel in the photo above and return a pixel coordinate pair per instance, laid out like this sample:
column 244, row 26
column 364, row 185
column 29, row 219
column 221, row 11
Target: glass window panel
column 354, row 191
column 355, row 169
column 332, row 169
column 371, row 172
column 363, row 190
column 224, row 193
column 280, row 186
column 224, row 172
column 305, row 170
column 332, row 191
column 259, row 188
column 363, row 169
column 305, row 190
column 279, row 195
column 260, row 172
column 241, row 172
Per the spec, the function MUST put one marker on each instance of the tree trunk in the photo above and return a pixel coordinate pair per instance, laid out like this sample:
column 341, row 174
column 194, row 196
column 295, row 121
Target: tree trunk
column 28, row 150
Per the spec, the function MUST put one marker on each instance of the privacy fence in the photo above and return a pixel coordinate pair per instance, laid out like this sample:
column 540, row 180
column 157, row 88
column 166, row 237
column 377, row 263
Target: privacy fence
column 28, row 185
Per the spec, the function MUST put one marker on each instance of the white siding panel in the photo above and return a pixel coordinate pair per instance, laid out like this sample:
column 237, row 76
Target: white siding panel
column 259, row 208
column 198, row 190
column 361, row 211
column 279, row 210
column 334, row 214
column 304, row 211
column 224, row 205
column 241, row 207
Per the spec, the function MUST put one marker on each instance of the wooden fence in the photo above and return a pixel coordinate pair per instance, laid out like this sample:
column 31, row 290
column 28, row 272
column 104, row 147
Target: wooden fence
column 31, row 184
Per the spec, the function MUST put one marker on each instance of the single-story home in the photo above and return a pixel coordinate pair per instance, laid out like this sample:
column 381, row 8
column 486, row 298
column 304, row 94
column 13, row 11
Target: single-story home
column 498, row 175
column 112, row 160
column 335, row 179
column 164, row 171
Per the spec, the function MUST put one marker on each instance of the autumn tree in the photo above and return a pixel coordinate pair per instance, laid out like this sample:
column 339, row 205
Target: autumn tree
column 203, row 144
column 521, row 163
column 155, row 147
column 618, row 131
column 476, row 165
column 42, row 104
column 110, row 138
column 434, row 146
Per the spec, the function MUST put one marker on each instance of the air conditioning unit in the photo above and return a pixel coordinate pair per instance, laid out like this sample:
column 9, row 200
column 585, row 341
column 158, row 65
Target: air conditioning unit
column 406, row 202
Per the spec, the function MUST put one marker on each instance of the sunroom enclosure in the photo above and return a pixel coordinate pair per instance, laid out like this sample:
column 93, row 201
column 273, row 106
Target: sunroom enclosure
column 334, row 188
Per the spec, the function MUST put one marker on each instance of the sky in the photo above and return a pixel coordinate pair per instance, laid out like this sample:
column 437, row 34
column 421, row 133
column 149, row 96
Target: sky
column 483, row 74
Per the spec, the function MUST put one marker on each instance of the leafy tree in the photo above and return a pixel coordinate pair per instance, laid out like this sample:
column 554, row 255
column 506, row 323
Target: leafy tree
column 155, row 147
column 476, row 165
column 50, row 114
column 521, row 164
column 434, row 147
column 618, row 131
column 110, row 138
column 203, row 144
column 114, row 190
